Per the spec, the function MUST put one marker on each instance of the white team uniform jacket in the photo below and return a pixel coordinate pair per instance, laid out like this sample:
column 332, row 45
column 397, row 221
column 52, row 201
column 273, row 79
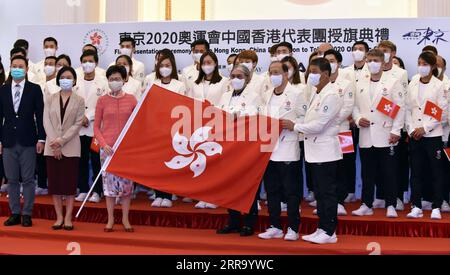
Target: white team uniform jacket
column 210, row 92
column 346, row 89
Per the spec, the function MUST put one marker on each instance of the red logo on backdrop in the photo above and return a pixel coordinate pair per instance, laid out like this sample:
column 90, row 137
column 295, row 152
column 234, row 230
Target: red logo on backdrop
column 96, row 39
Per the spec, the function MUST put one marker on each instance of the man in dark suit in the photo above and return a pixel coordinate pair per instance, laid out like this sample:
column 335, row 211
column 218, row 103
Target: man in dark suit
column 22, row 135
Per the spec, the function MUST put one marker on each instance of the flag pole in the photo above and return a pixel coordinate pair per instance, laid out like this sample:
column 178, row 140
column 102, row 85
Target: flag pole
column 116, row 145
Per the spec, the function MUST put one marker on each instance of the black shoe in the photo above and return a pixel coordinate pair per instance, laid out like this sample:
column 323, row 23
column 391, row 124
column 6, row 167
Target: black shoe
column 13, row 220
column 247, row 231
column 26, row 221
column 227, row 230
column 58, row 227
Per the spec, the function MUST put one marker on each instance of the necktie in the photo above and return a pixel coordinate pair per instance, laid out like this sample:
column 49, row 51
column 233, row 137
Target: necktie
column 16, row 100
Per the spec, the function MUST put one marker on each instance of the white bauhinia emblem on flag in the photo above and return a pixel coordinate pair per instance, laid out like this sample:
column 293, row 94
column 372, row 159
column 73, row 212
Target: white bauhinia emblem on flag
column 195, row 155
column 434, row 111
column 388, row 108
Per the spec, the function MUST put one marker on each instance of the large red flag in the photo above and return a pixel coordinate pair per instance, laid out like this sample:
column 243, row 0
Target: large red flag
column 186, row 147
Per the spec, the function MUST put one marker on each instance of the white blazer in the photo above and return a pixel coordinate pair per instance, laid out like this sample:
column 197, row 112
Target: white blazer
column 138, row 71
column 259, row 83
column 98, row 72
column 133, row 87
column 249, row 102
column 321, row 127
column 99, row 88
column 355, row 75
column 378, row 134
column 415, row 117
column 189, row 75
column 346, row 90
column 399, row 74
column 213, row 92
column 446, row 122
column 290, row 107
column 175, row 86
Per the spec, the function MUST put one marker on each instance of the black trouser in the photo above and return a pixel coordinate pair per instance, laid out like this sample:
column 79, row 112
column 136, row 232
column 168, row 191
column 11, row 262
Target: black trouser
column 2, row 171
column 350, row 163
column 403, row 165
column 379, row 165
column 86, row 155
column 283, row 177
column 308, row 176
column 325, row 190
column 163, row 195
column 346, row 177
column 249, row 219
column 427, row 150
column 41, row 170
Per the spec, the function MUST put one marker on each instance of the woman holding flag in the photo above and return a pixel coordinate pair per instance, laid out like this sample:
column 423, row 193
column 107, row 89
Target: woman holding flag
column 426, row 107
column 112, row 113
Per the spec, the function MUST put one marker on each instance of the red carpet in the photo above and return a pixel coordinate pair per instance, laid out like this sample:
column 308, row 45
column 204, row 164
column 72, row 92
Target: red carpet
column 40, row 239
column 185, row 216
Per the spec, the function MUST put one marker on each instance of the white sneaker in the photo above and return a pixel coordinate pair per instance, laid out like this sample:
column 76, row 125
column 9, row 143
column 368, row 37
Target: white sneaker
column 341, row 210
column 174, row 197
column 313, row 204
column 166, row 203
column 436, row 214
column 426, row 205
column 272, row 233
column 400, row 206
column 445, row 207
column 157, row 202
column 38, row 191
column 310, row 236
column 4, row 188
column 363, row 211
column 350, row 198
column 95, row 198
column 283, row 207
column 259, row 205
column 41, row 191
column 81, row 197
column 291, row 235
column 200, row 205
column 210, row 206
column 391, row 213
column 315, row 212
column 415, row 213
column 310, row 197
column 323, row 238
column 379, row 204
column 187, row 200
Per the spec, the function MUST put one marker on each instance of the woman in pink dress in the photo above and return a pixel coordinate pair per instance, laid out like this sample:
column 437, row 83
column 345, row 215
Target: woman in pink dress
column 111, row 114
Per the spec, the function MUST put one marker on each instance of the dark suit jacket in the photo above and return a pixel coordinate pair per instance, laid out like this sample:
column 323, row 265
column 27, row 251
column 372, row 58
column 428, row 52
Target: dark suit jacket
column 26, row 127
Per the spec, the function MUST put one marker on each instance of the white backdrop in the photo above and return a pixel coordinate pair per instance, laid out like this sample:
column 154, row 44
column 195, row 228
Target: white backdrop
column 227, row 37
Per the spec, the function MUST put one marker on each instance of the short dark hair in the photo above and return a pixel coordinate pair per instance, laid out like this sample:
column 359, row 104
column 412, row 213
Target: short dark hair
column 284, row 44
column 323, row 64
column 51, row 57
column 200, row 42
column 51, row 39
column 336, row 54
column 116, row 69
column 19, row 57
column 174, row 74
column 296, row 77
column 63, row 70
column 273, row 49
column 430, row 48
column 2, row 72
column 129, row 60
column 89, row 53
column 21, row 43
column 66, row 57
column 431, row 59
column 92, row 46
column 232, row 55
column 283, row 66
column 17, row 50
column 216, row 78
column 128, row 39
column 366, row 46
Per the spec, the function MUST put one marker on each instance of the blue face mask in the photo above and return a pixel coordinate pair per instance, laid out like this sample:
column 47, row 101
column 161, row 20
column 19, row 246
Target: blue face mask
column 17, row 73
column 66, row 84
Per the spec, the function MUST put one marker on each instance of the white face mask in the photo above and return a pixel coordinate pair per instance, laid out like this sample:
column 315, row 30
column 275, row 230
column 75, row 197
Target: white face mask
column 276, row 80
column 126, row 51
column 230, row 67
column 387, row 57
column 196, row 57
column 249, row 66
column 281, row 56
column 58, row 68
column 424, row 70
column 208, row 69
column 273, row 59
column 314, row 79
column 88, row 67
column 115, row 86
column 358, row 55
column 165, row 72
column 49, row 70
column 237, row 84
column 334, row 67
column 49, row 52
column 374, row 67
column 291, row 73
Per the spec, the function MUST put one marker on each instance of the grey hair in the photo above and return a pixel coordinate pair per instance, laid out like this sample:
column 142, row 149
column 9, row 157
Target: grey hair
column 243, row 69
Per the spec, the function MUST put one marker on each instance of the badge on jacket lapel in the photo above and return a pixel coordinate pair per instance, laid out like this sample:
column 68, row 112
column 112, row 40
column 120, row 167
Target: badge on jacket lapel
column 288, row 106
column 385, row 92
column 340, row 92
column 99, row 92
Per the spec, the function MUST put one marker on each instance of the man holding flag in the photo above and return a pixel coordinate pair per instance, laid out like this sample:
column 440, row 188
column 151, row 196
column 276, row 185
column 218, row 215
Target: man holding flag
column 380, row 114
